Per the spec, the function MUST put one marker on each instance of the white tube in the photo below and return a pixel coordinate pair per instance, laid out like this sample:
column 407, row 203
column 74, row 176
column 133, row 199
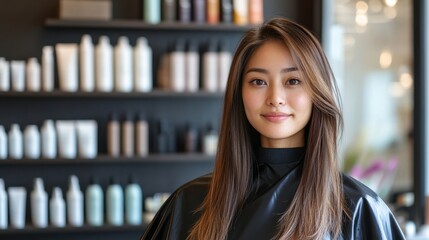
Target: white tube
column 67, row 58
column 48, row 68
column 87, row 138
column 123, row 66
column 87, row 81
column 66, row 139
column 104, row 65
column 33, row 75
column 31, row 142
column 143, row 66
column 17, row 199
column 17, row 75
column 4, row 75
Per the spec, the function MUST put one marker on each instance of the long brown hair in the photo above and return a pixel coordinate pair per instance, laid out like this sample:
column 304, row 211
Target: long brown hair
column 318, row 202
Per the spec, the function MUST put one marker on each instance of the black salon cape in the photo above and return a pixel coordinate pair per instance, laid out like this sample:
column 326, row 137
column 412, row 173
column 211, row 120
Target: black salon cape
column 275, row 184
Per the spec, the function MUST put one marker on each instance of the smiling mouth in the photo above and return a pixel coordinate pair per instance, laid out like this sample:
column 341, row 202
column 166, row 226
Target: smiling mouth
column 276, row 117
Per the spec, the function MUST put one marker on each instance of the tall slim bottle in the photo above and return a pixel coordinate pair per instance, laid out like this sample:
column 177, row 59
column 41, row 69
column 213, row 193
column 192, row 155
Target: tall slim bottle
column 3, row 143
column 123, row 66
column 152, row 11
column 31, row 142
column 133, row 203
column 224, row 58
column 143, row 80
column 16, row 142
column 226, row 11
column 49, row 140
column 33, row 75
column 192, row 73
column 115, row 203
column 4, row 75
column 142, row 136
column 74, row 203
column 104, row 65
column 240, row 11
column 57, row 208
column 210, row 68
column 184, row 9
column 39, row 205
column 213, row 11
column 113, row 136
column 177, row 67
column 168, row 10
column 256, row 11
column 127, row 130
column 94, row 199
column 87, row 81
column 199, row 11
column 3, row 206
column 48, row 68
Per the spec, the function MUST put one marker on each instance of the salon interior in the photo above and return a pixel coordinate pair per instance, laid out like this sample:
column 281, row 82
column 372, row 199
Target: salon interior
column 71, row 133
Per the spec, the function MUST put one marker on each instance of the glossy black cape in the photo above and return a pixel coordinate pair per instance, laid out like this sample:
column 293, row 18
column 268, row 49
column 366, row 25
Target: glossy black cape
column 371, row 218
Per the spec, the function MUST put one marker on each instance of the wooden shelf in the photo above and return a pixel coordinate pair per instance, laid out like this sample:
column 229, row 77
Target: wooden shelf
column 139, row 24
column 104, row 159
column 152, row 94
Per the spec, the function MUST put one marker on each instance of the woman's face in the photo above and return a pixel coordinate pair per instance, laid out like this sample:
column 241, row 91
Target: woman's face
column 275, row 100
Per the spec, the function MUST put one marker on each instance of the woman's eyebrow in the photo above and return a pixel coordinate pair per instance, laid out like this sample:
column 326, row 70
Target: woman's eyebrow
column 262, row 70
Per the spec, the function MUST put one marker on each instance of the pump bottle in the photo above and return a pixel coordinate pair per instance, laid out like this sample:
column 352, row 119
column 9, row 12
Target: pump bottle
column 74, row 203
column 39, row 205
column 57, row 208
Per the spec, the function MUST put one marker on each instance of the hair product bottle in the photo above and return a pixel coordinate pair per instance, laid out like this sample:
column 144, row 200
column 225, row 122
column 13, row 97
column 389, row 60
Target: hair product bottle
column 210, row 68
column 128, row 136
column 143, row 80
column 162, row 138
column 184, row 9
column 17, row 75
column 104, row 65
column 87, row 81
column 225, row 58
column 39, row 205
column 4, row 75
column 226, row 11
column 3, row 206
column 49, row 140
column 3, row 143
column 115, row 203
column 192, row 63
column 113, row 136
column 33, row 75
column 16, row 148
column 168, row 10
column 74, row 203
column 48, row 68
column 256, row 11
column 152, row 11
column 94, row 200
column 123, row 66
column 210, row 141
column 191, row 139
column 133, row 203
column 31, row 142
column 142, row 137
column 199, row 11
column 177, row 67
column 213, row 11
column 240, row 11
column 57, row 208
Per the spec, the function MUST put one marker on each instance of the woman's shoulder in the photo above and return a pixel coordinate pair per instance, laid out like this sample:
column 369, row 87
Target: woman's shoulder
column 198, row 184
column 354, row 189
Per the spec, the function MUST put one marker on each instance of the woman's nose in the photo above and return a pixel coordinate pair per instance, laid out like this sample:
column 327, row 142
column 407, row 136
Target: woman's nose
column 276, row 97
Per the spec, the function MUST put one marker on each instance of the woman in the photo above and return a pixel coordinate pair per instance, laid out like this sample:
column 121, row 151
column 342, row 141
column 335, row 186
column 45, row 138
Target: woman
column 276, row 174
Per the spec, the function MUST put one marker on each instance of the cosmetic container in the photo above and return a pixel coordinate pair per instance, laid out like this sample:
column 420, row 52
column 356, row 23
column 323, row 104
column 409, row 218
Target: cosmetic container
column 225, row 59
column 74, row 203
column 57, row 208
column 210, row 68
column 17, row 206
column 192, row 62
column 17, row 75
column 143, row 66
column 39, row 205
column 123, row 66
column 31, row 142
column 67, row 59
column 177, row 67
column 168, row 10
column 3, row 206
column 162, row 137
column 152, row 11
column 128, row 136
column 3, row 143
column 4, row 75
column 48, row 68
column 87, row 138
column 240, row 11
column 16, row 148
column 94, row 203
column 213, row 11
column 142, row 136
column 190, row 139
column 67, row 140
column 162, row 81
column 184, row 9
column 113, row 136
column 133, row 203
column 87, row 79
column 104, row 65
column 256, row 11
column 33, row 75
column 49, row 140
column 199, row 11
column 115, row 203
column 226, row 11
column 210, row 140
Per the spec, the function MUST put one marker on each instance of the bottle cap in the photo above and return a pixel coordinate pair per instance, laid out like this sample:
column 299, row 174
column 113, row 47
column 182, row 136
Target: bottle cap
column 212, row 46
column 38, row 184
column 123, row 40
column 93, row 180
column 113, row 117
column 192, row 46
column 141, row 41
column 1, row 184
column 74, row 183
column 179, row 46
column 86, row 38
column 104, row 40
column 57, row 193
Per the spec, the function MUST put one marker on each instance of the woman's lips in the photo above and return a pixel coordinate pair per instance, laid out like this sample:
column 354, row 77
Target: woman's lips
column 276, row 117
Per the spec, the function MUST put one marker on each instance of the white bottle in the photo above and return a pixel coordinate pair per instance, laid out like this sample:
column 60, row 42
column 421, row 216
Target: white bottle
column 128, row 136
column 48, row 68
column 104, row 65
column 3, row 206
column 133, row 203
column 142, row 137
column 86, row 64
column 123, row 66
column 94, row 207
column 113, row 136
column 192, row 68
column 39, row 205
column 225, row 58
column 17, row 75
column 49, row 140
column 115, row 204
column 210, row 141
column 4, row 75
column 33, row 75
column 3, row 143
column 177, row 67
column 143, row 80
column 31, row 142
column 16, row 149
column 57, row 208
column 210, row 68
column 74, row 203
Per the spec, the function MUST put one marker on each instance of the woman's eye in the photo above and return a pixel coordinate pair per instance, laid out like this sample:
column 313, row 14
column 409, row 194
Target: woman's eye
column 258, row 82
column 293, row 82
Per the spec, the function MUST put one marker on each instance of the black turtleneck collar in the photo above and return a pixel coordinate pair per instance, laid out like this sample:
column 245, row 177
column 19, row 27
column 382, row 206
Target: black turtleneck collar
column 281, row 155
